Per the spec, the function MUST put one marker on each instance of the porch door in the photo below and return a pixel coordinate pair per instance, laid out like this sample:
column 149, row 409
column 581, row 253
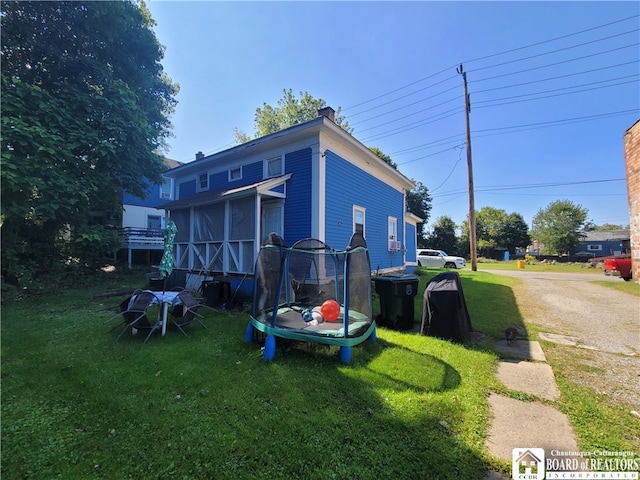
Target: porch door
column 272, row 219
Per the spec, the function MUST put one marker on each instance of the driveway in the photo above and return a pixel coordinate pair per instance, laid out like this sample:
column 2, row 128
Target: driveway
column 596, row 323
column 569, row 304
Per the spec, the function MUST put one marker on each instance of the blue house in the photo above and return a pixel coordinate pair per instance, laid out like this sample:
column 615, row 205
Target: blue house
column 142, row 223
column 311, row 180
column 603, row 243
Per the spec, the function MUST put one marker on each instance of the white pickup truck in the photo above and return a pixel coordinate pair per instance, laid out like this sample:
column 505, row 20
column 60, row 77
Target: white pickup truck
column 438, row 259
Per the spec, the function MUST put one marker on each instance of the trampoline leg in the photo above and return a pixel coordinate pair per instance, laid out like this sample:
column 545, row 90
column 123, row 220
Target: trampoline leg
column 345, row 354
column 248, row 333
column 374, row 336
column 269, row 347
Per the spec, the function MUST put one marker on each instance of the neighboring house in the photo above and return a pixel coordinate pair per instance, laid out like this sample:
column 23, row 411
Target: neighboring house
column 142, row 223
column 603, row 243
column 311, row 180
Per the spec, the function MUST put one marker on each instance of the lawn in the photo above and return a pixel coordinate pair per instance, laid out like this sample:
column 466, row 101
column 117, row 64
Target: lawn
column 78, row 405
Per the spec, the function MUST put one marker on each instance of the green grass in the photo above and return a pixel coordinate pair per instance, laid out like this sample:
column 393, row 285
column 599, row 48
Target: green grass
column 78, row 405
column 536, row 266
column 630, row 287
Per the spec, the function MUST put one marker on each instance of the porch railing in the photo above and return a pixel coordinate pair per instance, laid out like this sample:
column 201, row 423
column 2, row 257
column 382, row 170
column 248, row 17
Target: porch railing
column 152, row 238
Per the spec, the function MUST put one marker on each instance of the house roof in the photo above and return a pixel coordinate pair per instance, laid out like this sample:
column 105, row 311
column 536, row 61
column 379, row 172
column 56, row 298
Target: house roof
column 212, row 196
column 607, row 235
column 289, row 135
column 170, row 164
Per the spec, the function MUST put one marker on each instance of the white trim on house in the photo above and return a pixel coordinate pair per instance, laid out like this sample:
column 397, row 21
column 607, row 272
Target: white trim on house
column 318, row 229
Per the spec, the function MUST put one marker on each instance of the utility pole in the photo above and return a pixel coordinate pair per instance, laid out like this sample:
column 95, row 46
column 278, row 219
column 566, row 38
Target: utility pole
column 472, row 208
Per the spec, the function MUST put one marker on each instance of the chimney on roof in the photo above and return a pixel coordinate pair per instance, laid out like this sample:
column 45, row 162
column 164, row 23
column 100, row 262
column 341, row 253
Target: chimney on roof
column 199, row 156
column 328, row 112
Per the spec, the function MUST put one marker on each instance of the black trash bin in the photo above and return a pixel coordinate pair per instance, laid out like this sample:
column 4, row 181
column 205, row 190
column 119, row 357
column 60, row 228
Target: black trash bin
column 216, row 292
column 396, row 300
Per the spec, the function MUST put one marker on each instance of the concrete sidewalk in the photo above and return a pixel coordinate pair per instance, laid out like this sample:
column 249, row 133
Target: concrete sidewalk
column 526, row 424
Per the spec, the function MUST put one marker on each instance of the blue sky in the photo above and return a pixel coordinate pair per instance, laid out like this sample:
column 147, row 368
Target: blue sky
column 553, row 87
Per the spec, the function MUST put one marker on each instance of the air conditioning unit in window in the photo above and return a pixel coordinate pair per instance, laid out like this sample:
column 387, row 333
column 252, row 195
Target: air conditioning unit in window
column 165, row 195
column 394, row 246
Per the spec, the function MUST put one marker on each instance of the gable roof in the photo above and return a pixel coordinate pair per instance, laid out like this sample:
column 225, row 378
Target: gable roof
column 607, row 235
column 287, row 136
column 170, row 164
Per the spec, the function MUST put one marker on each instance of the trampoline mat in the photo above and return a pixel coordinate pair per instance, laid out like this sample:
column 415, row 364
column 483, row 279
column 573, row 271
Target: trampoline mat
column 291, row 319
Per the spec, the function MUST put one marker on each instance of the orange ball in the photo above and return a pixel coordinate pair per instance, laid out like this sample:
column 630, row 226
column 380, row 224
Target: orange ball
column 330, row 310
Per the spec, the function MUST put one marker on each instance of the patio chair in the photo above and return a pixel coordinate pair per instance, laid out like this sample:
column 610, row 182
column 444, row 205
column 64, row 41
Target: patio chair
column 185, row 310
column 134, row 313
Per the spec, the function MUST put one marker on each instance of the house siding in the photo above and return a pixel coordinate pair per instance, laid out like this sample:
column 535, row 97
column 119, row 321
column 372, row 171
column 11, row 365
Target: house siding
column 298, row 202
column 348, row 185
column 187, row 188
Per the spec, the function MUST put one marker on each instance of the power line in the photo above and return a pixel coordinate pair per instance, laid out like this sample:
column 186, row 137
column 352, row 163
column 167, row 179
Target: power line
column 552, row 39
column 553, row 51
column 600, row 115
column 410, row 115
column 409, row 105
column 549, row 96
column 557, row 63
column 499, row 188
column 420, row 123
column 554, row 78
column 482, row 58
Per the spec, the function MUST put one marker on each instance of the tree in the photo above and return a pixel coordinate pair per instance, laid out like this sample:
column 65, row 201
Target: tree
column 558, row 228
column 497, row 230
column 288, row 112
column 85, row 111
column 443, row 236
column 419, row 203
column 383, row 156
column 515, row 233
column 606, row 227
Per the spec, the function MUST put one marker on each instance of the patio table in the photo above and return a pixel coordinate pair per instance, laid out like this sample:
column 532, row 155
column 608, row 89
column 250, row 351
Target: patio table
column 163, row 300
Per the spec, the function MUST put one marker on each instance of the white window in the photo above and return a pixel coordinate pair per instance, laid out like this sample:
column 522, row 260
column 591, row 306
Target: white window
column 594, row 248
column 273, row 166
column 154, row 221
column 392, row 228
column 166, row 189
column 203, row 181
column 392, row 234
column 359, row 220
column 235, row 174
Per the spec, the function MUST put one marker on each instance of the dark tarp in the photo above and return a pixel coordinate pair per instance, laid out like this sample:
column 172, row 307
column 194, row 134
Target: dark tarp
column 445, row 313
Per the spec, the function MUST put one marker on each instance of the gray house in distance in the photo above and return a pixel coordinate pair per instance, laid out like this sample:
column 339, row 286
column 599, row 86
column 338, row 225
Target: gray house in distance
column 604, row 243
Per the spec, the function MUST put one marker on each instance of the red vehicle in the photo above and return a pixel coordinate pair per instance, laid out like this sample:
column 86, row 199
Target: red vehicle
column 618, row 266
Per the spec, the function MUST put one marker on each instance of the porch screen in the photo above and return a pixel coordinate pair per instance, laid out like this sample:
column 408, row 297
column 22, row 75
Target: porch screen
column 242, row 224
column 208, row 223
column 243, row 218
column 181, row 219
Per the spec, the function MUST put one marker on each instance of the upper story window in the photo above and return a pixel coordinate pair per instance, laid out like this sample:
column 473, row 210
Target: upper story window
column 273, row 166
column 203, row 181
column 358, row 219
column 235, row 174
column 166, row 189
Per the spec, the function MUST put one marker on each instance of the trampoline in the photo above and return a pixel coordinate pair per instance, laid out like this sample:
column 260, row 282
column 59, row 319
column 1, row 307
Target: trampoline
column 296, row 289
